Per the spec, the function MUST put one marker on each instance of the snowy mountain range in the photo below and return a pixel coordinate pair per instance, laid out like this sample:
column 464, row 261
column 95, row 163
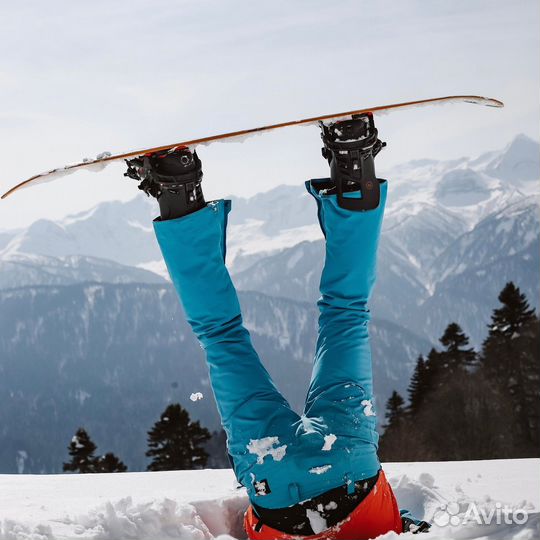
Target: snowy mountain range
column 91, row 332
column 111, row 356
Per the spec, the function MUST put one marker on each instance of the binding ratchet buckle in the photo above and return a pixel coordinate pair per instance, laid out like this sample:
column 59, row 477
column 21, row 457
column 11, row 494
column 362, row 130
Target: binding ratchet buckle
column 350, row 147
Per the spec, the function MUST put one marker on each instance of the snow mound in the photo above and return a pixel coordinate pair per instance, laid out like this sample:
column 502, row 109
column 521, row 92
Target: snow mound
column 157, row 519
column 465, row 509
column 497, row 500
column 161, row 519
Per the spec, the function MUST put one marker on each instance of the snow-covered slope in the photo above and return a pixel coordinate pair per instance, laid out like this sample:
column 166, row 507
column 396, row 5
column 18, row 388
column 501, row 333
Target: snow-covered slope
column 295, row 273
column 457, row 278
column 431, row 203
column 454, row 234
column 506, row 232
column 23, row 269
column 206, row 505
column 118, row 231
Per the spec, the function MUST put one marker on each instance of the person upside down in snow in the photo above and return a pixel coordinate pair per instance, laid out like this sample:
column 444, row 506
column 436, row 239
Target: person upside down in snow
column 316, row 475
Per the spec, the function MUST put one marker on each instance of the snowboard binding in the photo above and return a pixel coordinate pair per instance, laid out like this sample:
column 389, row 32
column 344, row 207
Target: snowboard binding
column 173, row 177
column 350, row 147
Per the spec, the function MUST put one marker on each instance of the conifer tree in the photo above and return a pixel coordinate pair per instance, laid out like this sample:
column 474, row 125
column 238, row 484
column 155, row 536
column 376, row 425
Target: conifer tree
column 109, row 463
column 510, row 361
column 507, row 324
column 529, row 345
column 434, row 366
column 395, row 410
column 513, row 315
column 455, row 354
column 81, row 449
column 418, row 386
column 176, row 443
column 455, row 357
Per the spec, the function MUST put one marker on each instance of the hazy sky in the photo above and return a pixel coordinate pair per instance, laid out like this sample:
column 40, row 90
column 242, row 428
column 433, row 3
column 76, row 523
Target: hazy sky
column 77, row 78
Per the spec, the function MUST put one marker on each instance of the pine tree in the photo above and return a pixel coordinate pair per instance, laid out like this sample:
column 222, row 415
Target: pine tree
column 176, row 443
column 507, row 324
column 400, row 440
column 395, row 410
column 509, row 358
column 81, row 450
column 513, row 315
column 529, row 345
column 434, row 368
column 109, row 463
column 418, row 387
column 455, row 355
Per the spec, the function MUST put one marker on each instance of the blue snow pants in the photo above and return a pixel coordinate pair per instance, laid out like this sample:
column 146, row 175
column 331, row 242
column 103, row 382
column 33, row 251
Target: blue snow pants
column 283, row 458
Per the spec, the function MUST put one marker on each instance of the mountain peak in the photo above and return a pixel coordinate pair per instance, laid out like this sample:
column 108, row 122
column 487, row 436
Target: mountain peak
column 521, row 138
column 519, row 161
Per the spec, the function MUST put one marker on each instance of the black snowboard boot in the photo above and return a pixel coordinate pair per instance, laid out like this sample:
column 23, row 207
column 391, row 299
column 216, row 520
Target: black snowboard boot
column 350, row 147
column 173, row 177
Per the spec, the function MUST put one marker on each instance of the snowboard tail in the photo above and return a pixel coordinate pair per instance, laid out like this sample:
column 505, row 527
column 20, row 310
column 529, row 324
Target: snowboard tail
column 102, row 160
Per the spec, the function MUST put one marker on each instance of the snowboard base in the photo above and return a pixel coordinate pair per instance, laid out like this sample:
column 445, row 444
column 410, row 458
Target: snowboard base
column 102, row 160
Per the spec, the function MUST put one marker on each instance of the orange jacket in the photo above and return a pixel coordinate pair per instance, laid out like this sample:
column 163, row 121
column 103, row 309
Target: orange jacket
column 377, row 514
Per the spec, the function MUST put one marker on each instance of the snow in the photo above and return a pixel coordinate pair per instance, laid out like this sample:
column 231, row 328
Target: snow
column 260, row 488
column 157, row 267
column 368, row 407
column 196, row 505
column 320, row 470
column 196, row 396
column 140, row 226
column 250, row 238
column 317, row 522
column 82, row 396
column 93, row 165
column 75, row 441
column 295, row 259
column 329, row 440
column 22, row 456
column 312, row 424
column 267, row 446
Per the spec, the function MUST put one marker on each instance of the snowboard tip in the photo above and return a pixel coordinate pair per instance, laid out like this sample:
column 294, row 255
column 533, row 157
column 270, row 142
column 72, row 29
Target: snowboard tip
column 488, row 102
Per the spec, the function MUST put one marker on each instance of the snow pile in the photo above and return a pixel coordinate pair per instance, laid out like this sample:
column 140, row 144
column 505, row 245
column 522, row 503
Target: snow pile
column 496, row 499
column 187, row 505
column 267, row 446
column 144, row 521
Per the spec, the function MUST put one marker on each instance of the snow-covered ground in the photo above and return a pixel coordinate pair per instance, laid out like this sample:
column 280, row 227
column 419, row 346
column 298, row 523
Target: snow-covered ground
column 195, row 505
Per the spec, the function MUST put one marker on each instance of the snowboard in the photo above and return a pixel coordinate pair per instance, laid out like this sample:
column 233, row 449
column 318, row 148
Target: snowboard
column 105, row 158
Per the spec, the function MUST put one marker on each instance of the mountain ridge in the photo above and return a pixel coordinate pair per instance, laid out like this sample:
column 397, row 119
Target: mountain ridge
column 111, row 356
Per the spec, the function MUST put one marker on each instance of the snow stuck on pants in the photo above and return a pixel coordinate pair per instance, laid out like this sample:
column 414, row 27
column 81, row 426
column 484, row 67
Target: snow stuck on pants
column 267, row 446
column 205, row 505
